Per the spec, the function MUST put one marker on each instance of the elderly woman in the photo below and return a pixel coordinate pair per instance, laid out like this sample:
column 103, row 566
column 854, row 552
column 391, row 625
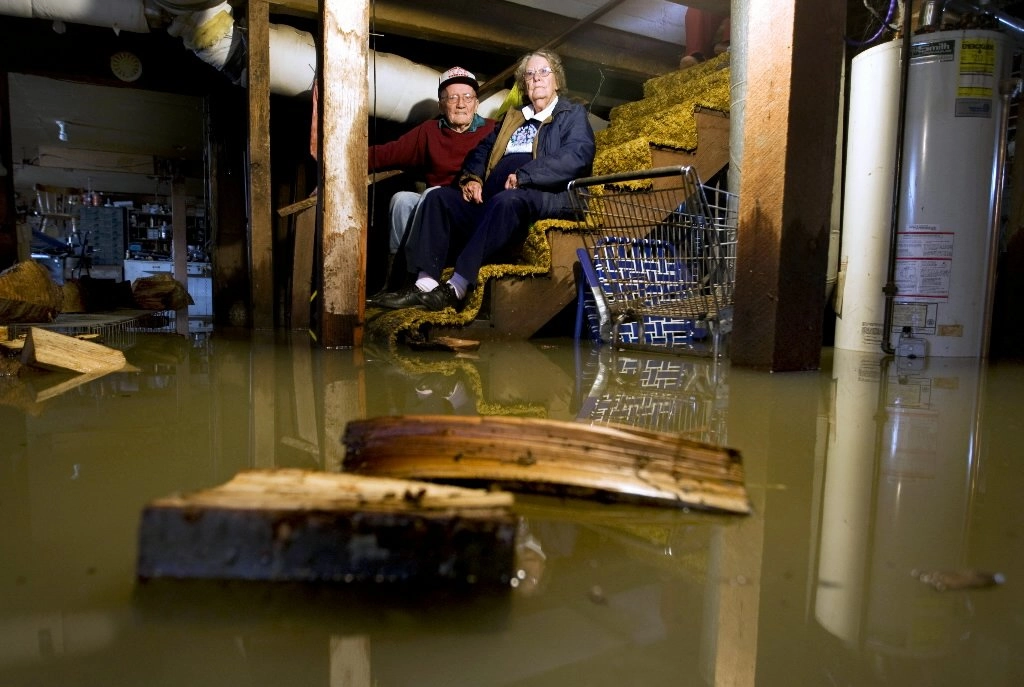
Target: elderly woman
column 514, row 177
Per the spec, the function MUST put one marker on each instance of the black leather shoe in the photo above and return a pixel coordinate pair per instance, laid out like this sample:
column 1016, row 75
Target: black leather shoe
column 409, row 297
column 443, row 296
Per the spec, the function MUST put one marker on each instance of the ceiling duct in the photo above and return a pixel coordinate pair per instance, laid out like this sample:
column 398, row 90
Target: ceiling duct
column 402, row 90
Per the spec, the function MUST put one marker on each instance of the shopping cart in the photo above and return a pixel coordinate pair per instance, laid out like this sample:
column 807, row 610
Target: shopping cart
column 659, row 260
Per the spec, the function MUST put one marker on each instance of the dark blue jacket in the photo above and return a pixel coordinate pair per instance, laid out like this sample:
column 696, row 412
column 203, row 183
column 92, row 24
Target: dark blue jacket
column 562, row 151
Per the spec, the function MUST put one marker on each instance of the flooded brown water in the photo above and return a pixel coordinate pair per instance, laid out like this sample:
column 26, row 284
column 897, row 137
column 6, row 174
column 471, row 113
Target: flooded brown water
column 865, row 477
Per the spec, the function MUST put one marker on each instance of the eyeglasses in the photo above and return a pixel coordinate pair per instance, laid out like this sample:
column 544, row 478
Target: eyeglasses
column 542, row 72
column 465, row 97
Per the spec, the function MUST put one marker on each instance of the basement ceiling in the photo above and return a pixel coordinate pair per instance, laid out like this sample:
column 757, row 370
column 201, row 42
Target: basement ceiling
column 625, row 40
column 610, row 47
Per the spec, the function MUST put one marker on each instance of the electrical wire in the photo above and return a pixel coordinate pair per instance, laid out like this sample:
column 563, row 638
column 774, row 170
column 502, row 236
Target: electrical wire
column 885, row 25
column 597, row 91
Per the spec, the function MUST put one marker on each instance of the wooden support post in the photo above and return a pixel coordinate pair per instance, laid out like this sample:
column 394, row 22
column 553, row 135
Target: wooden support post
column 350, row 661
column 344, row 109
column 785, row 196
column 9, row 249
column 344, row 399
column 306, row 416
column 302, row 267
column 261, row 260
column 179, row 246
column 263, row 407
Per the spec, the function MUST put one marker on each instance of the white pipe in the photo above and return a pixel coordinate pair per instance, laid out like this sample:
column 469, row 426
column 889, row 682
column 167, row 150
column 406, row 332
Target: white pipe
column 401, row 89
column 120, row 15
column 210, row 34
column 207, row 33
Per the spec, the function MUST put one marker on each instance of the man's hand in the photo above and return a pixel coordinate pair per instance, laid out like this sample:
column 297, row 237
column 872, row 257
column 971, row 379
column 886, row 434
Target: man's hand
column 473, row 192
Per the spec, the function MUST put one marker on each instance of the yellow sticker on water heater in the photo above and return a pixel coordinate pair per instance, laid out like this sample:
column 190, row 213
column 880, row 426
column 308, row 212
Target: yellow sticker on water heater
column 977, row 68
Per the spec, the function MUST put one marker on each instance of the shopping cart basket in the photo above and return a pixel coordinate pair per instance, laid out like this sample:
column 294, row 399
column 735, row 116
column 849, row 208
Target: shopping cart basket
column 682, row 394
column 661, row 248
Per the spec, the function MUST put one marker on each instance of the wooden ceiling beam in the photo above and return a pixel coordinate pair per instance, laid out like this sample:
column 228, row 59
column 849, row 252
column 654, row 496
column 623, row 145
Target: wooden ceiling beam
column 504, row 27
column 311, row 7
column 514, row 29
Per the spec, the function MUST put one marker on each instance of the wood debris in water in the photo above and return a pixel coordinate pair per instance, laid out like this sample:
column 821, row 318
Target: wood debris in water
column 608, row 463
column 18, row 343
column 55, row 351
column 29, row 294
column 446, row 343
column 309, row 526
column 954, row 580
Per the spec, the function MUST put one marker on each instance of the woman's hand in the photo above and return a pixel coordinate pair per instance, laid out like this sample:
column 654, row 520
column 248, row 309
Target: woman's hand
column 512, row 181
column 473, row 192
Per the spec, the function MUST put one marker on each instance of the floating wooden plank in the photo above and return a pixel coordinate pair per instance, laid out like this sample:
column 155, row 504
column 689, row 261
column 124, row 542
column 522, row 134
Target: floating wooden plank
column 615, row 464
column 18, row 343
column 446, row 343
column 54, row 351
column 956, row 580
column 299, row 525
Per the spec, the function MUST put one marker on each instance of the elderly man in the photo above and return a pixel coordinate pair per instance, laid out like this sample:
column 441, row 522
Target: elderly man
column 436, row 148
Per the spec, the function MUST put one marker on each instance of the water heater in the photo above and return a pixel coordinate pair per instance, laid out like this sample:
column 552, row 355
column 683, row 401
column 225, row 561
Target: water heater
column 955, row 128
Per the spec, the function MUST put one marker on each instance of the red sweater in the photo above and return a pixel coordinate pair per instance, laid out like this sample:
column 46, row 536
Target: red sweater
column 433, row 149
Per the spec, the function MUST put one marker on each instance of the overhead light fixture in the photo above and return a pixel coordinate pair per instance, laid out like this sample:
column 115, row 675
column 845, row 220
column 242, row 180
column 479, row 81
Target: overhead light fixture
column 62, row 130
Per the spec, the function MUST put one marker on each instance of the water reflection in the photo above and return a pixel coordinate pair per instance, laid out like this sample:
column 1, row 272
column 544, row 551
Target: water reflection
column 858, row 474
column 902, row 475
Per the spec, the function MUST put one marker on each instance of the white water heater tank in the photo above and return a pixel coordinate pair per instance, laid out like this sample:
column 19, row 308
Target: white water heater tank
column 955, row 126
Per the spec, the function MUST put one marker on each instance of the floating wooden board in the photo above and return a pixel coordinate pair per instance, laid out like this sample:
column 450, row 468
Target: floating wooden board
column 297, row 525
column 55, row 351
column 616, row 464
column 446, row 343
column 18, row 343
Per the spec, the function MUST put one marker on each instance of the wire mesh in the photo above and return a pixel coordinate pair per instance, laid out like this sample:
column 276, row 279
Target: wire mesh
column 662, row 247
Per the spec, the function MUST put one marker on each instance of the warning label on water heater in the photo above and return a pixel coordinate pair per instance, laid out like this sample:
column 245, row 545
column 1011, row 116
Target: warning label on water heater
column 976, row 84
column 924, row 262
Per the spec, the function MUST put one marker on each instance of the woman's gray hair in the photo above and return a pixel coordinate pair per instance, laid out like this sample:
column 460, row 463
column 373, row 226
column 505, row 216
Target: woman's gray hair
column 556, row 69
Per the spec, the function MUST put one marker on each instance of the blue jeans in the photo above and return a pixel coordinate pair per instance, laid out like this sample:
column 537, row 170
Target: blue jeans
column 401, row 215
